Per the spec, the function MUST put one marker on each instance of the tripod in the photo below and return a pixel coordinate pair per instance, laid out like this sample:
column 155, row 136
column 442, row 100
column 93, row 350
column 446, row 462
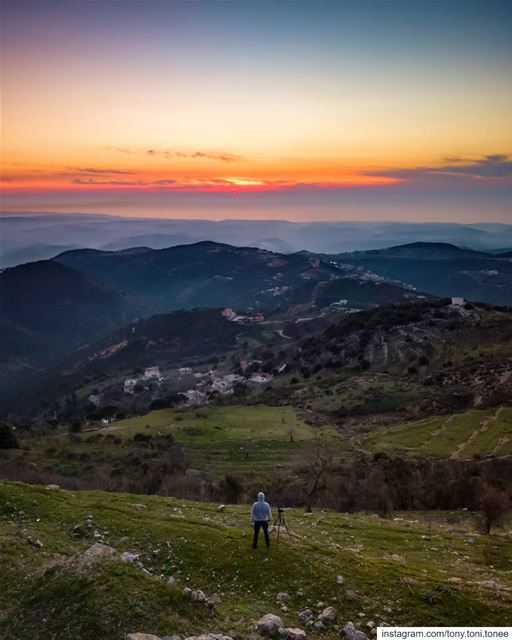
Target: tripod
column 278, row 523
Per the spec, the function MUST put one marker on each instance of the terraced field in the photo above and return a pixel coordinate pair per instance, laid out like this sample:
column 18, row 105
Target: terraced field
column 460, row 435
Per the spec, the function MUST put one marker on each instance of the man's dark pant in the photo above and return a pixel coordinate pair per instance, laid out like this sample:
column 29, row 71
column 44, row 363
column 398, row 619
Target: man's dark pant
column 260, row 524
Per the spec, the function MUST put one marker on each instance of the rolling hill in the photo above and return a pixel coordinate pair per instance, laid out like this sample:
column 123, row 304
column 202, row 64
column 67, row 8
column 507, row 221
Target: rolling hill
column 439, row 269
column 47, row 308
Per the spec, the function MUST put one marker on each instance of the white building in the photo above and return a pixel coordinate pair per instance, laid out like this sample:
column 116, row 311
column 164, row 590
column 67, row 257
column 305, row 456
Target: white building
column 261, row 378
column 129, row 385
column 184, row 371
column 458, row 302
column 151, row 373
column 194, row 398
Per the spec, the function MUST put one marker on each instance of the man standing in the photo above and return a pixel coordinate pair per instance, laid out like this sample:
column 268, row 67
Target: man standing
column 260, row 517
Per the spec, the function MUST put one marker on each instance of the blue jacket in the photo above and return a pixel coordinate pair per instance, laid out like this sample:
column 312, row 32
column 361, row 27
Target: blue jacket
column 261, row 509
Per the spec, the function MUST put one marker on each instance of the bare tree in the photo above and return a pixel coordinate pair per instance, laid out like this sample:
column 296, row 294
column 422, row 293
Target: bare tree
column 316, row 466
column 494, row 506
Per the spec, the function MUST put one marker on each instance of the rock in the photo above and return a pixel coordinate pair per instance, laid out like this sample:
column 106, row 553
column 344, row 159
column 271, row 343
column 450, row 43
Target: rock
column 370, row 624
column 340, row 580
column 198, row 596
column 172, row 581
column 141, row 636
column 396, row 558
column 35, row 542
column 172, row 637
column 187, row 591
column 208, row 636
column 292, row 633
column 138, row 506
column 52, row 487
column 284, row 608
column 351, row 594
column 455, row 580
column 319, row 625
column 306, row 615
column 282, row 596
column 328, row 615
column 99, row 551
column 269, row 624
column 129, row 557
column 351, row 633
column 221, row 508
column 408, row 580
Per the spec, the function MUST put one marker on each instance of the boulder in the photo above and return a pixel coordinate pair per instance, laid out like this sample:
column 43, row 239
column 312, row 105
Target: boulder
column 198, row 595
column 328, row 615
column 269, row 625
column 129, row 557
column 141, row 636
column 306, row 615
column 282, row 596
column 291, row 633
column 351, row 633
column 221, row 508
column 138, row 506
column 99, row 551
column 52, row 487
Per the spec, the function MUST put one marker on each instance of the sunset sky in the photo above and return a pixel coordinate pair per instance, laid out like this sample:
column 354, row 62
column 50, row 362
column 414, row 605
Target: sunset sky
column 298, row 110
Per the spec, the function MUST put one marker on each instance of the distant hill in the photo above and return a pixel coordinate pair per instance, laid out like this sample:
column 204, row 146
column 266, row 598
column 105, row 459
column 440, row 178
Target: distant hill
column 47, row 307
column 440, row 269
column 204, row 274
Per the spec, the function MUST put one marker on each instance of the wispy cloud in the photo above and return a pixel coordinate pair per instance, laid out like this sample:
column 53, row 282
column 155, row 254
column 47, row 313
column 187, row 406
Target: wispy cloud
column 498, row 165
column 170, row 155
column 97, row 171
column 123, row 183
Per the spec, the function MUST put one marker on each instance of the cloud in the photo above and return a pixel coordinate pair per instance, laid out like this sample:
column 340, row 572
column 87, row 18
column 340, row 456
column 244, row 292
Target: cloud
column 96, row 171
column 498, row 165
column 123, row 183
column 169, row 155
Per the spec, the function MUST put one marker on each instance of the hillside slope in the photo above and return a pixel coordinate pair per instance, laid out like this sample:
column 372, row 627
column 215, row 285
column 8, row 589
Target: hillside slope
column 51, row 589
column 47, row 307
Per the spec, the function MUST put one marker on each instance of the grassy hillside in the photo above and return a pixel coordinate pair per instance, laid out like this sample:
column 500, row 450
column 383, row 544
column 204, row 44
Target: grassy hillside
column 407, row 571
column 461, row 435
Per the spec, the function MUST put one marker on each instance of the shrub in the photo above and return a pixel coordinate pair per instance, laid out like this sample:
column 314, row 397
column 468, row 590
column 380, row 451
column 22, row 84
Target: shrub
column 494, row 506
column 8, row 439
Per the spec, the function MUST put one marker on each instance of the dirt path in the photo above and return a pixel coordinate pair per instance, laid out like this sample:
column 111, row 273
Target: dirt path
column 482, row 427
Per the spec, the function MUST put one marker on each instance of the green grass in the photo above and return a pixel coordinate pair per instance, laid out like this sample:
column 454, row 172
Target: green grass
column 247, row 440
column 445, row 435
column 498, row 431
column 45, row 594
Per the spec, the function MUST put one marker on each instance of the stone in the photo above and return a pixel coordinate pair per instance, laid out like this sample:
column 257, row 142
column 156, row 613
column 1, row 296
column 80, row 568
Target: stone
column 141, row 636
column 328, row 615
column 306, row 615
column 292, row 633
column 454, row 580
column 370, row 624
column 138, row 506
column 396, row 558
column 52, row 487
column 208, row 636
column 187, row 591
column 269, row 624
column 172, row 581
column 99, row 551
column 319, row 625
column 340, row 580
column 282, row 596
column 284, row 608
column 198, row 596
column 351, row 633
column 351, row 594
column 221, row 508
column 129, row 557
column 34, row 542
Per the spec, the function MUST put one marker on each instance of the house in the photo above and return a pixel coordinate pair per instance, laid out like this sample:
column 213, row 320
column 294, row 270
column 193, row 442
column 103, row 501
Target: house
column 260, row 378
column 194, row 398
column 184, row 371
column 259, row 317
column 223, row 387
column 228, row 313
column 95, row 399
column 151, row 373
column 458, row 302
column 129, row 385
